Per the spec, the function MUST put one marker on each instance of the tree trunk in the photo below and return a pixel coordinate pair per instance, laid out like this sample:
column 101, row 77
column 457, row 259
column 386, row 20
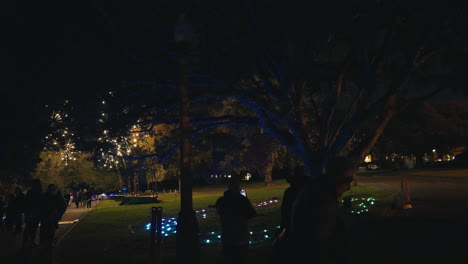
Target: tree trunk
column 187, row 244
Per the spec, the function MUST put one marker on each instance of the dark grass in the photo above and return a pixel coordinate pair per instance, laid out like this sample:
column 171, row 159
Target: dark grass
column 116, row 234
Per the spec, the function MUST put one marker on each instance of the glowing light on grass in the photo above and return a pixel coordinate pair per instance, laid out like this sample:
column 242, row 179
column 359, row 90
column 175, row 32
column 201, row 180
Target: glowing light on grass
column 169, row 226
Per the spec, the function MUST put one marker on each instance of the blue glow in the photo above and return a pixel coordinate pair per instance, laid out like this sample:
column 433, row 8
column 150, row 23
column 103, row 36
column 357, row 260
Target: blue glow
column 169, row 227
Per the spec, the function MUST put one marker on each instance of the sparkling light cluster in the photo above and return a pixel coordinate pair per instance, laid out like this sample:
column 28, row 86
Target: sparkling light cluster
column 169, row 227
column 60, row 138
column 361, row 205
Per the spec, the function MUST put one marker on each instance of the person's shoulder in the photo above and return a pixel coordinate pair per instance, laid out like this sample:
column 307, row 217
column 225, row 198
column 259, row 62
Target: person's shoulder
column 219, row 199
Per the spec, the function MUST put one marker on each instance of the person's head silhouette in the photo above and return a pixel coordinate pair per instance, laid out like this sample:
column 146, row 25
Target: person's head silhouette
column 36, row 185
column 339, row 174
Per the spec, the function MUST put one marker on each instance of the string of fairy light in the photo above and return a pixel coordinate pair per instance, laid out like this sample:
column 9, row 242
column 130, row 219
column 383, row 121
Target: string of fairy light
column 168, row 226
column 61, row 138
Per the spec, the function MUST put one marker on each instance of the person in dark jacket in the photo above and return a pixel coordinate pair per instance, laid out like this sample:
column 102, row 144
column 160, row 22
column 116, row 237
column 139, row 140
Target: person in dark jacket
column 32, row 213
column 318, row 232
column 20, row 200
column 10, row 212
column 2, row 210
column 89, row 199
column 297, row 180
column 82, row 197
column 76, row 199
column 235, row 210
column 52, row 210
column 67, row 198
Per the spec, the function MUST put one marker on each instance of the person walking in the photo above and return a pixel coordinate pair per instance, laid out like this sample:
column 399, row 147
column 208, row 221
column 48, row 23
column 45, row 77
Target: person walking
column 82, row 197
column 52, row 210
column 235, row 210
column 67, row 198
column 76, row 199
column 89, row 197
column 32, row 212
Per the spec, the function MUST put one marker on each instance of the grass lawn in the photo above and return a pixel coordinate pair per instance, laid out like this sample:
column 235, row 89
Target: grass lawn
column 118, row 234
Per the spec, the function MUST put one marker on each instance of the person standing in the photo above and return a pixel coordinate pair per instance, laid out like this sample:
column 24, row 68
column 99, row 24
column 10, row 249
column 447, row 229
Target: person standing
column 10, row 212
column 297, row 181
column 53, row 208
column 32, row 213
column 235, row 210
column 318, row 232
column 2, row 210
column 20, row 200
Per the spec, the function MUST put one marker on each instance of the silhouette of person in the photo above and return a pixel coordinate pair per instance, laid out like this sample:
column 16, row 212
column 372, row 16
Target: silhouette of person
column 318, row 232
column 10, row 212
column 53, row 208
column 296, row 180
column 88, row 199
column 235, row 210
column 2, row 210
column 82, row 198
column 32, row 213
column 19, row 209
column 77, row 199
column 67, row 198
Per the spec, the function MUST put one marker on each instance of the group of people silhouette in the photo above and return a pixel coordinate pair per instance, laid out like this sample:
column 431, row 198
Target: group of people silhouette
column 312, row 229
column 31, row 210
column 81, row 198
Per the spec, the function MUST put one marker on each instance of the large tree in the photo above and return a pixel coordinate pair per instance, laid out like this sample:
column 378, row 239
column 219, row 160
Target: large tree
column 321, row 78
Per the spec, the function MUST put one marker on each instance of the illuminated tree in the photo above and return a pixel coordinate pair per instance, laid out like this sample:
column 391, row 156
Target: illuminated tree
column 59, row 147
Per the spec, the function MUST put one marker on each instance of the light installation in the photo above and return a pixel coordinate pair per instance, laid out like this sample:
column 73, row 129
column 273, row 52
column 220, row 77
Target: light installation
column 257, row 236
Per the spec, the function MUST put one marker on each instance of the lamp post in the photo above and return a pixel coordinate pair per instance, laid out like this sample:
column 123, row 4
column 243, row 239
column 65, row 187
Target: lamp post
column 187, row 244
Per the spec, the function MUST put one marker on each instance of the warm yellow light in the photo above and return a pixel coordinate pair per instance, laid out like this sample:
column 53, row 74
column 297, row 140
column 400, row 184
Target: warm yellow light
column 368, row 158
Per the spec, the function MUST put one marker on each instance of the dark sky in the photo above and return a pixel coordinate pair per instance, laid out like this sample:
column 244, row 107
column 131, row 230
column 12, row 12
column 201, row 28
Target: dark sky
column 65, row 49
